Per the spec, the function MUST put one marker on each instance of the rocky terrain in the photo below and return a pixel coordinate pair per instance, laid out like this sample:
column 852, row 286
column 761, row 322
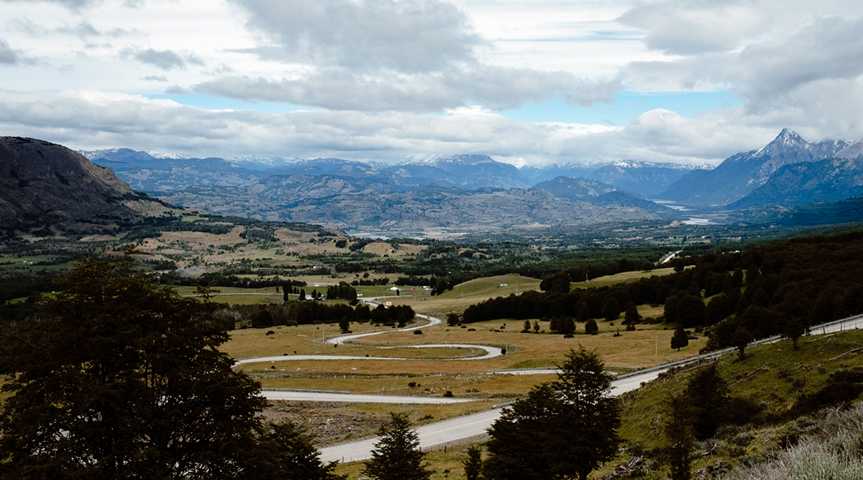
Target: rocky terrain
column 48, row 187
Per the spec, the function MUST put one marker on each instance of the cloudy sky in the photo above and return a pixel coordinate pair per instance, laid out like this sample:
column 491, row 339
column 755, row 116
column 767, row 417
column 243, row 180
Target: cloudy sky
column 527, row 81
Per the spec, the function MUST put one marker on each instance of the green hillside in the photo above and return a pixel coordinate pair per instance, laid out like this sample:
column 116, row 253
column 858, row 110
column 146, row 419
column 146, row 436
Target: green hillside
column 776, row 392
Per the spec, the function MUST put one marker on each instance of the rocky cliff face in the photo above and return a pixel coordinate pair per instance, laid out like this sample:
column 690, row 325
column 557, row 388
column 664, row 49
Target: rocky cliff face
column 48, row 186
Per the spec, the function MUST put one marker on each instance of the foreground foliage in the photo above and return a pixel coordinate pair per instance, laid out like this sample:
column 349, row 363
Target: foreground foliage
column 116, row 377
column 563, row 429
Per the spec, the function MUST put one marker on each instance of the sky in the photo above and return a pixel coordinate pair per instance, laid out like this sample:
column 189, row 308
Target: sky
column 528, row 82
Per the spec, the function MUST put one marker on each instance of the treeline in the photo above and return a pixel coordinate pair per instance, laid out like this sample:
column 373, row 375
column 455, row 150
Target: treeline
column 370, row 282
column 342, row 291
column 308, row 313
column 776, row 288
column 227, row 280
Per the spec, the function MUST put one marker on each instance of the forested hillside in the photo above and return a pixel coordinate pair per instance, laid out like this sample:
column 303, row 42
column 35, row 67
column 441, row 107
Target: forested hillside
column 779, row 287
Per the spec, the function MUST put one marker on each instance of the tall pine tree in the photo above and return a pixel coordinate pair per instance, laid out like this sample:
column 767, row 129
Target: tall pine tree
column 397, row 455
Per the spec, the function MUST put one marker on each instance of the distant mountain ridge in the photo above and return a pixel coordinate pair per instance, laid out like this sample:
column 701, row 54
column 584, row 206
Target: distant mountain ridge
column 469, row 171
column 460, row 192
column 743, row 173
column 806, row 183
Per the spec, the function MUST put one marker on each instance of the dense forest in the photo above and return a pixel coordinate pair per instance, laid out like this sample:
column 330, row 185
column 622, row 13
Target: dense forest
column 778, row 287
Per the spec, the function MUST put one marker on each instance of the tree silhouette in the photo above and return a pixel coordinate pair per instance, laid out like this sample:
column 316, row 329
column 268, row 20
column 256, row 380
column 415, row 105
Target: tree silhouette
column 591, row 328
column 680, row 437
column 680, row 339
column 117, row 377
column 563, row 429
column 473, row 463
column 397, row 455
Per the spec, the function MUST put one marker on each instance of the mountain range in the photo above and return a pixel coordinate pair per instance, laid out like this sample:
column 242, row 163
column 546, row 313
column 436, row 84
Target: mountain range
column 47, row 184
column 463, row 192
column 787, row 171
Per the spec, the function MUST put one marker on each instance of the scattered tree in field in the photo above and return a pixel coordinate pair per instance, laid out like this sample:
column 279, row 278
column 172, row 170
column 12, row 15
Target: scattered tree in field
column 611, row 309
column 591, row 328
column 117, row 377
column 286, row 290
column 742, row 338
column 563, row 429
column 302, row 294
column 680, row 437
column 344, row 325
column 680, row 339
column 707, row 393
column 397, row 455
column 632, row 317
column 453, row 319
column 793, row 329
column 567, row 327
column 536, row 326
column 526, row 327
column 473, row 463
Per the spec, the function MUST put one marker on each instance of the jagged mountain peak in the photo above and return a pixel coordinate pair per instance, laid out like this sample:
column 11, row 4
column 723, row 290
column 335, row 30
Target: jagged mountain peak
column 786, row 140
column 852, row 151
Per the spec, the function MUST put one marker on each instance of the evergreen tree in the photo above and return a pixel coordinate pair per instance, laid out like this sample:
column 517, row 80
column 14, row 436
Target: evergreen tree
column 536, row 326
column 526, row 327
column 344, row 324
column 453, row 319
column 680, row 339
column 742, row 337
column 302, row 294
column 563, row 429
column 117, row 377
column 680, row 437
column 707, row 393
column 473, row 463
column 286, row 293
column 793, row 329
column 397, row 455
column 632, row 317
column 287, row 453
column 591, row 328
column 567, row 327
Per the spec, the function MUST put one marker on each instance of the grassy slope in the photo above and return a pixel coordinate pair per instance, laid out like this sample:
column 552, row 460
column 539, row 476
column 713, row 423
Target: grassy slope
column 774, row 375
column 623, row 277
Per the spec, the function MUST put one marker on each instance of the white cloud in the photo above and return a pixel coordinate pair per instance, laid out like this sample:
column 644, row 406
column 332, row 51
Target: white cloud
column 96, row 120
column 7, row 55
column 164, row 59
column 406, row 78
column 402, row 35
column 341, row 89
